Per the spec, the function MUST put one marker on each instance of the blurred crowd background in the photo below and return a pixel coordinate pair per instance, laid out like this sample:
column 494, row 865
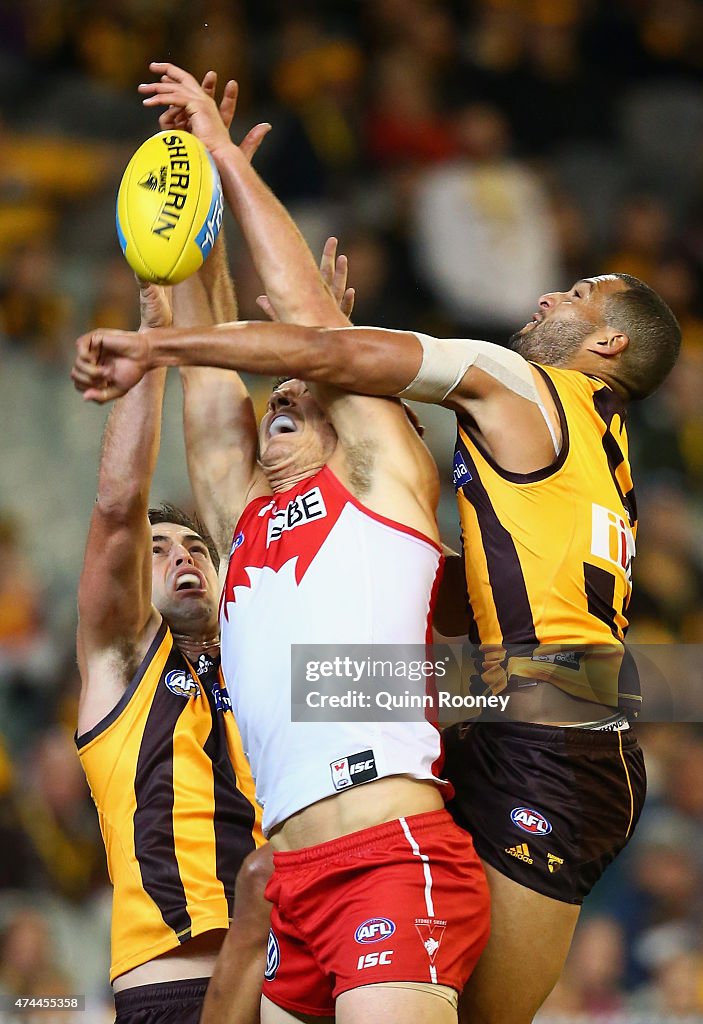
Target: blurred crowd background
column 470, row 155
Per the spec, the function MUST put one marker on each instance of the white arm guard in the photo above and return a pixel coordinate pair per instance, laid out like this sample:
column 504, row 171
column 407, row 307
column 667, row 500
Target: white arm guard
column 446, row 360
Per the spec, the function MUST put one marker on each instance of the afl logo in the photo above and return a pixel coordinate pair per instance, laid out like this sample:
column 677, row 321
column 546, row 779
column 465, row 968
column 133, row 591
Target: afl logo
column 273, row 957
column 373, row 930
column 530, row 821
column 181, row 683
column 236, row 543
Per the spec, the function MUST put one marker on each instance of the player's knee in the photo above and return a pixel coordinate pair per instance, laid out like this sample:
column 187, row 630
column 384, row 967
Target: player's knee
column 253, row 877
column 252, row 911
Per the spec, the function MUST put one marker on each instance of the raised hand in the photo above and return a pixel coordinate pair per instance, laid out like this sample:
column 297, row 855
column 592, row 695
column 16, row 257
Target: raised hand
column 334, row 270
column 176, row 117
column 154, row 306
column 109, row 363
column 192, row 106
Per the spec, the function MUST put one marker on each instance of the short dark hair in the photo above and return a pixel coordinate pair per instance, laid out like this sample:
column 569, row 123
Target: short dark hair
column 166, row 513
column 653, row 330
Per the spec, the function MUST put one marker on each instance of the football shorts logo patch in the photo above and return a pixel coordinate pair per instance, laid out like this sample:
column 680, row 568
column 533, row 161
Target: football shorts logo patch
column 554, row 862
column 381, row 959
column 530, row 821
column 521, row 852
column 374, row 930
column 273, row 957
column 181, row 683
column 430, row 930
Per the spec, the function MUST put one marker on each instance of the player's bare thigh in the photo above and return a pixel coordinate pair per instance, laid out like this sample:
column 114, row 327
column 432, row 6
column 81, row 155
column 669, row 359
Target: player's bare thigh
column 529, row 941
column 391, row 1003
column 272, row 1014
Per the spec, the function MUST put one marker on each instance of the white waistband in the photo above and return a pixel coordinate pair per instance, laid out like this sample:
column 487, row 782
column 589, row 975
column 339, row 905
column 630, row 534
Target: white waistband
column 614, row 723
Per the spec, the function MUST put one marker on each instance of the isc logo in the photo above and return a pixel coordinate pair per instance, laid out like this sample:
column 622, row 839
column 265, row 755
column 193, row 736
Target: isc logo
column 375, row 929
column 530, row 821
column 354, row 770
column 381, row 959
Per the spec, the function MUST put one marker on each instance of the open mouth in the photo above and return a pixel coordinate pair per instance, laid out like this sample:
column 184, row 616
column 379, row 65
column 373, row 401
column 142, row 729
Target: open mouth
column 282, row 424
column 189, row 581
column 535, row 319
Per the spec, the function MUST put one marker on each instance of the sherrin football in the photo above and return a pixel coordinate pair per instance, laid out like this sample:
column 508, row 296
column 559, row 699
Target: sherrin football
column 169, row 207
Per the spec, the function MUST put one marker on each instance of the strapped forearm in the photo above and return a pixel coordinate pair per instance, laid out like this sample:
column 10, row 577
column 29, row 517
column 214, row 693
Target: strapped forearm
column 445, row 362
column 367, row 360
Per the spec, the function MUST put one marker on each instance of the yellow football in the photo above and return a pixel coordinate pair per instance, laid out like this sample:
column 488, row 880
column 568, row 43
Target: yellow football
column 169, row 207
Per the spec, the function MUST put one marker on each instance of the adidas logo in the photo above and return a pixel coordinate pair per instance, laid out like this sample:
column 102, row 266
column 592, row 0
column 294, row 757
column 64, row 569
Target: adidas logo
column 554, row 863
column 521, row 851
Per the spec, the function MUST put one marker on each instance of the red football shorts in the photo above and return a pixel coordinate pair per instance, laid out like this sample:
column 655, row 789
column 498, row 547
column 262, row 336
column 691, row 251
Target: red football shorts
column 403, row 901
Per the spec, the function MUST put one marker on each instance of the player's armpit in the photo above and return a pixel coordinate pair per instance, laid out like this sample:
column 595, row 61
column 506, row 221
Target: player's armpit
column 381, row 458
column 117, row 621
column 522, row 435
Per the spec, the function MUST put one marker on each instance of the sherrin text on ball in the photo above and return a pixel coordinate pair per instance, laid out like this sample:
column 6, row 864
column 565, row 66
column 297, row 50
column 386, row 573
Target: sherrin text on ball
column 169, row 207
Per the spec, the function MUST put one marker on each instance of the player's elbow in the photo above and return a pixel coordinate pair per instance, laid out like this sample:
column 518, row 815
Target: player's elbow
column 253, row 876
column 123, row 504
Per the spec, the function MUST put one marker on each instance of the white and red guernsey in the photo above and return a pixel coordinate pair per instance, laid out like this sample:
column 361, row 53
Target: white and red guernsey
column 312, row 565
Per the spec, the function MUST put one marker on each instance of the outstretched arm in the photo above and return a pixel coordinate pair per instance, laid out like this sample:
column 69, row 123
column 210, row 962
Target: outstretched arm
column 372, row 434
column 363, row 359
column 116, row 618
column 280, row 254
column 219, row 421
column 234, row 993
column 218, row 414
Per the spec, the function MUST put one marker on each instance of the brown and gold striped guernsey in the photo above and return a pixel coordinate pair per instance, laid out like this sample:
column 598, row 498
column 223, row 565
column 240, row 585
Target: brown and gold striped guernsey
column 175, row 800
column 547, row 554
